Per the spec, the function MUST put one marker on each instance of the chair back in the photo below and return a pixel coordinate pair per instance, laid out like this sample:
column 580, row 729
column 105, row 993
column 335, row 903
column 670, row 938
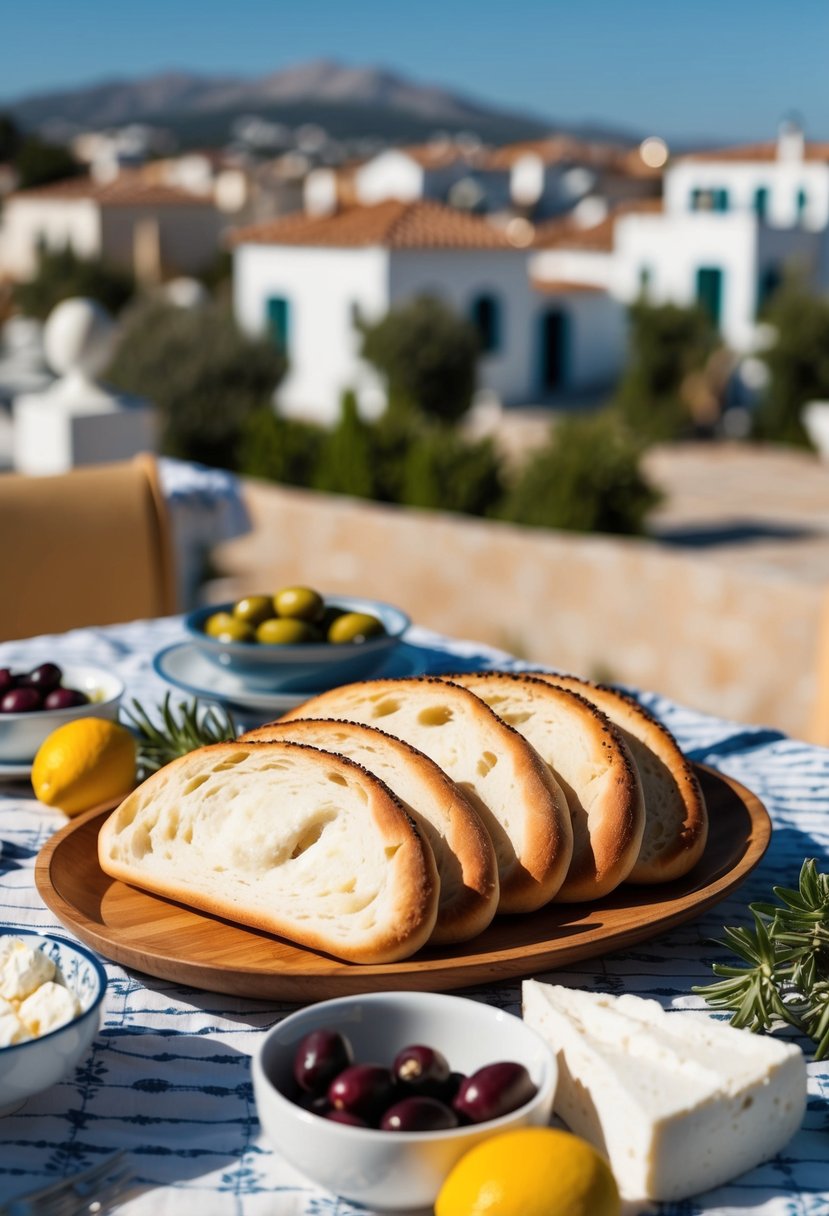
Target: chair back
column 88, row 547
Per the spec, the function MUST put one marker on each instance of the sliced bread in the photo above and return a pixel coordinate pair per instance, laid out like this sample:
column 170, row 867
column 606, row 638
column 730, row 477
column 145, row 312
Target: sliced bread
column 507, row 782
column 286, row 838
column 591, row 762
column 676, row 820
column 463, row 850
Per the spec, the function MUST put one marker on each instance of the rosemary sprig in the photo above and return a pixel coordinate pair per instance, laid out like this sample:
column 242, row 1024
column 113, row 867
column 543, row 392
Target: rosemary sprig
column 786, row 978
column 183, row 728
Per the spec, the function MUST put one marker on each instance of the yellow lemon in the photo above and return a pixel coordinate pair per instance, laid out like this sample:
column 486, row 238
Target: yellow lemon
column 532, row 1171
column 84, row 763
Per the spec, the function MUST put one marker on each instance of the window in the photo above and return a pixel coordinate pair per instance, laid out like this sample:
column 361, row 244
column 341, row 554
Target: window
column 761, row 202
column 770, row 280
column 486, row 317
column 645, row 277
column 554, row 349
column 278, row 312
column 710, row 291
column 709, row 200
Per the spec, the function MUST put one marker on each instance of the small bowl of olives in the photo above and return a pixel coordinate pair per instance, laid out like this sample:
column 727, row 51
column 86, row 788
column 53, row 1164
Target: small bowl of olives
column 375, row 1097
column 298, row 639
column 36, row 700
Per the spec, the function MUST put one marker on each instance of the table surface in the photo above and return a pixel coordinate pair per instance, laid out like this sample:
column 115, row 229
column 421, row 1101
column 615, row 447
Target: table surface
column 168, row 1076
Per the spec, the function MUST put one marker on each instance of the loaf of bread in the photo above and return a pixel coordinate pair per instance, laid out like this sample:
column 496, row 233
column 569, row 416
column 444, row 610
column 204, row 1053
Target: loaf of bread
column 591, row 762
column 283, row 837
column 512, row 789
column 463, row 851
column 676, row 820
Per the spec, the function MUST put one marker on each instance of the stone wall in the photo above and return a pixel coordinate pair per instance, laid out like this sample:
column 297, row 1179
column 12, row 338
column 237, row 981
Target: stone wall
column 736, row 642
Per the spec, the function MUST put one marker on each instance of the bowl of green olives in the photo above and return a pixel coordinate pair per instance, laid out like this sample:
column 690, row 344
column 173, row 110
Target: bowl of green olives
column 36, row 700
column 375, row 1097
column 297, row 639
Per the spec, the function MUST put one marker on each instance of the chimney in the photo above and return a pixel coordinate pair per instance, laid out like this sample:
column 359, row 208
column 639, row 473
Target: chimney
column 790, row 140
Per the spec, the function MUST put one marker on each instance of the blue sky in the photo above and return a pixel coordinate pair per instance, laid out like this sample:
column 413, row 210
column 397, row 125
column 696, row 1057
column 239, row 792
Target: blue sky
column 713, row 68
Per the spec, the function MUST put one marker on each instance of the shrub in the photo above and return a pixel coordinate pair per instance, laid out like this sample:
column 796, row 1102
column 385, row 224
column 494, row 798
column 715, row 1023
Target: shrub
column 61, row 274
column 798, row 364
column 345, row 463
column 279, row 449
column 427, row 356
column 666, row 344
column 586, row 479
column 206, row 377
column 446, row 472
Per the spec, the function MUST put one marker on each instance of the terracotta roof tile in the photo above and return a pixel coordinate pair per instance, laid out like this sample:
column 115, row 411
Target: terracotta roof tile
column 764, row 151
column 566, row 287
column 126, row 190
column 391, row 224
column 567, row 233
column 564, row 148
column 437, row 155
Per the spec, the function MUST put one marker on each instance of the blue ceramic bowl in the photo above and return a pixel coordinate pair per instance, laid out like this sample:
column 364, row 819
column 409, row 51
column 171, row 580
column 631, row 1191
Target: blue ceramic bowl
column 32, row 1066
column 308, row 667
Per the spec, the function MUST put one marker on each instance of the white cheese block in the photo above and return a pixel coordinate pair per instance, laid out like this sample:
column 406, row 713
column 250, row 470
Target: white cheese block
column 22, row 968
column 678, row 1102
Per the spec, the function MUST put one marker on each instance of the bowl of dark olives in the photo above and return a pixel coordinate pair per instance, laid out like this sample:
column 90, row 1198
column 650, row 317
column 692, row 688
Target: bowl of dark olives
column 37, row 699
column 297, row 638
column 375, row 1097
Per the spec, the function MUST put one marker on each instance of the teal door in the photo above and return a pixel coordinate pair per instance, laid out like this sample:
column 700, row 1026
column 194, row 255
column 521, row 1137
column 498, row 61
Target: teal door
column 710, row 291
column 278, row 318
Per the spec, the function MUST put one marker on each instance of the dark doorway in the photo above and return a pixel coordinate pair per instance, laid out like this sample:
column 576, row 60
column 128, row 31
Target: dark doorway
column 554, row 326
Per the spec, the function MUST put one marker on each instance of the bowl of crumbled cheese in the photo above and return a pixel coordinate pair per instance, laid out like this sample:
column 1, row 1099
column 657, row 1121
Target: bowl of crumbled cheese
column 51, row 1000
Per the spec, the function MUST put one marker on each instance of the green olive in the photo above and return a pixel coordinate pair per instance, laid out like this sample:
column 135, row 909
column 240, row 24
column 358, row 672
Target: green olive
column 279, row 631
column 214, row 624
column 354, row 627
column 235, row 631
column 254, row 609
column 299, row 603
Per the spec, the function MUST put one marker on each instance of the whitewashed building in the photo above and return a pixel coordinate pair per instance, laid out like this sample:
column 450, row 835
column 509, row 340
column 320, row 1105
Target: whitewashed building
column 308, row 280
column 152, row 229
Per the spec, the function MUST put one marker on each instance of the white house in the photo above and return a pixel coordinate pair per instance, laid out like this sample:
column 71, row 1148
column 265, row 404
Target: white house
column 308, row 279
column 731, row 223
column 152, row 229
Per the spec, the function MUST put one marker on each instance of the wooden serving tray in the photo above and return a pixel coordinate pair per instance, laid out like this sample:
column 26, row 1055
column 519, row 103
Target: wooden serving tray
column 172, row 942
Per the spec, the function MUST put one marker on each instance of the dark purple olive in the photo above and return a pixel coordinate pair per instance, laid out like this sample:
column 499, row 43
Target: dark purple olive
column 448, row 1091
column 418, row 1114
column 345, row 1116
column 45, row 677
column 362, row 1089
column 321, row 1055
column 494, row 1091
column 317, row 1104
column 422, row 1069
column 20, row 701
column 65, row 698
column 7, row 680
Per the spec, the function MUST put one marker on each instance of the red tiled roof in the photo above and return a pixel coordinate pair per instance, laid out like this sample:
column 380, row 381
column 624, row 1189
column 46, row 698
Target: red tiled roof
column 566, row 287
column 559, row 148
column 126, row 190
column 764, row 151
column 567, row 233
column 391, row 224
column 437, row 155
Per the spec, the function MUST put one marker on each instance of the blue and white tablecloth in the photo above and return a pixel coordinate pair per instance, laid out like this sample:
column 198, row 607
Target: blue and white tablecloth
column 168, row 1077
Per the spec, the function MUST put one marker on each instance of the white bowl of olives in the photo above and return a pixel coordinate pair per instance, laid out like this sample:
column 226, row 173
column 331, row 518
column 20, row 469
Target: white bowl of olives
column 34, row 701
column 298, row 639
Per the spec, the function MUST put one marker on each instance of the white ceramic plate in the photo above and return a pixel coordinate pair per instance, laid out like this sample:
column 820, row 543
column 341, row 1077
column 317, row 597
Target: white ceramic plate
column 185, row 666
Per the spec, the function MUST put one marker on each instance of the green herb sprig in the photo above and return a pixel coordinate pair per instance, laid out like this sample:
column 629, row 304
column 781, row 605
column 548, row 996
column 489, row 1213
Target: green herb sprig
column 787, row 955
column 183, row 728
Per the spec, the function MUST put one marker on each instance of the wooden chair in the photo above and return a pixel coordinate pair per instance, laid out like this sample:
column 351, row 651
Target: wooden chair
column 88, row 547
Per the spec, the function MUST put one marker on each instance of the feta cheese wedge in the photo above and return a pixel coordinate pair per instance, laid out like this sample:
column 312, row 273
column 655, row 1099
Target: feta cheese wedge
column 678, row 1102
column 22, row 968
column 49, row 1006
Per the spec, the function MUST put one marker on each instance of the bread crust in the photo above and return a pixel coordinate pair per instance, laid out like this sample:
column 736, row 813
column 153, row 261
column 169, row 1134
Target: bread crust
column 676, row 818
column 211, row 794
column 463, row 850
column 593, row 765
column 513, row 790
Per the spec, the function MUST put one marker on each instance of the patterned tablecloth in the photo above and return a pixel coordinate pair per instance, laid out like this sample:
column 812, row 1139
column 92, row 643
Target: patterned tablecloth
column 168, row 1077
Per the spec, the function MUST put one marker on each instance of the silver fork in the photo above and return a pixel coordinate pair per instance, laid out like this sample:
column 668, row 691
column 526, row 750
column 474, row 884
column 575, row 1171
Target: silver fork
column 92, row 1192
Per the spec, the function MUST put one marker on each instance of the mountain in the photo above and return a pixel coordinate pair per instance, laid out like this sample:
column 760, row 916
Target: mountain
column 349, row 102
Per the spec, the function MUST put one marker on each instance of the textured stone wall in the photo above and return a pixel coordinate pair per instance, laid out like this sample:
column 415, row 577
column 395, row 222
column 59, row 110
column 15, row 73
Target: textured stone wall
column 737, row 642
